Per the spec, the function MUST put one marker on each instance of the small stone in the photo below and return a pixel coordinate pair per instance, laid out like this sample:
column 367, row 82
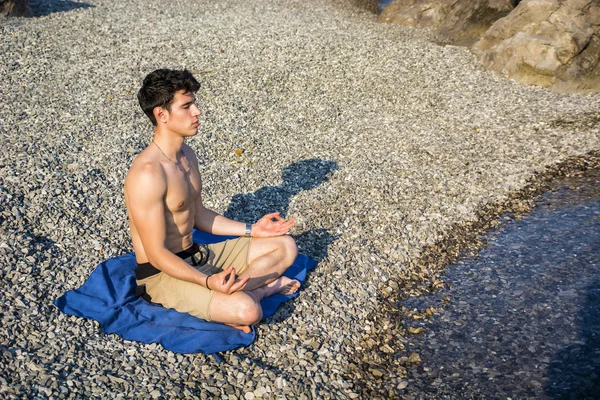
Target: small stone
column 415, row 331
column 280, row 383
column 414, row 358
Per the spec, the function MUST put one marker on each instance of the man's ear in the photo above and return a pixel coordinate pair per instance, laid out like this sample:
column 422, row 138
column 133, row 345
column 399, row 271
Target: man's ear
column 160, row 114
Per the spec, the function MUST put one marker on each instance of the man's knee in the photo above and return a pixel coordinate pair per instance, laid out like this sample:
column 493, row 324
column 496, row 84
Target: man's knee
column 289, row 247
column 249, row 312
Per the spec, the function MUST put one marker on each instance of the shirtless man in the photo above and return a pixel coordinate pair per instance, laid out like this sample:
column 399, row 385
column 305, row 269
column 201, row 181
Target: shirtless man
column 223, row 282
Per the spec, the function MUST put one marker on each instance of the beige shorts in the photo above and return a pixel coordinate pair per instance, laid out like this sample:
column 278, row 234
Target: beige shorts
column 192, row 298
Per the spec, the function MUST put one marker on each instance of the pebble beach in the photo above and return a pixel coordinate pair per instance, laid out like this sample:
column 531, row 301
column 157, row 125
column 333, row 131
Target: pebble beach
column 377, row 140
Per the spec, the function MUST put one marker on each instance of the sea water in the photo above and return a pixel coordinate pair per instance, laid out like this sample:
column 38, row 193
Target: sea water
column 521, row 319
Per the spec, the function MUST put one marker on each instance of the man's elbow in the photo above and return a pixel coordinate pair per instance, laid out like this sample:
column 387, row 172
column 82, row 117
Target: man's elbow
column 204, row 221
column 154, row 257
column 198, row 225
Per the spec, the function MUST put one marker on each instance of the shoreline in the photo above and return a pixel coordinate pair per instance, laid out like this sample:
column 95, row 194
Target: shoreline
column 376, row 368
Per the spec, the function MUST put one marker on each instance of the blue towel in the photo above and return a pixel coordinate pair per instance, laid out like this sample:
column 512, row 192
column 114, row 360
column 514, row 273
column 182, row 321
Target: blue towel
column 108, row 296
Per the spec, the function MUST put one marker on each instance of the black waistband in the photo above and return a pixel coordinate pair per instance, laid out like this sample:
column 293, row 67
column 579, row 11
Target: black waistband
column 146, row 270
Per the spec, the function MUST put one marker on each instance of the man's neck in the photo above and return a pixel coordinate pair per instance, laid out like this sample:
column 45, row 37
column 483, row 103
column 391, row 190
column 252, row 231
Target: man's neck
column 168, row 142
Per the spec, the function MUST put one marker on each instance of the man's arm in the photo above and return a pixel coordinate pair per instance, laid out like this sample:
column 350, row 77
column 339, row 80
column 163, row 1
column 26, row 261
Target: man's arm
column 209, row 221
column 268, row 226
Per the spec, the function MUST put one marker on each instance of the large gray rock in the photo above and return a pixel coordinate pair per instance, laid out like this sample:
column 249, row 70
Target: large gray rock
column 550, row 43
column 15, row 8
column 457, row 21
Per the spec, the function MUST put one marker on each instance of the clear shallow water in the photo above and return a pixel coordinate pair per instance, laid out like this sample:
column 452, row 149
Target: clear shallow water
column 383, row 3
column 523, row 318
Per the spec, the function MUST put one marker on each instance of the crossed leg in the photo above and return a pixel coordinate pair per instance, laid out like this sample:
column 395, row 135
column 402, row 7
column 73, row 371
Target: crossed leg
column 268, row 259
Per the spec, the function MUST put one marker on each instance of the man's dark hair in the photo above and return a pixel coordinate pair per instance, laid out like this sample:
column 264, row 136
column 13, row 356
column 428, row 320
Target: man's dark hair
column 160, row 86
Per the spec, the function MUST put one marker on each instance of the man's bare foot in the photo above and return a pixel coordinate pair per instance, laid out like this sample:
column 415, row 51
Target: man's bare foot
column 243, row 328
column 284, row 285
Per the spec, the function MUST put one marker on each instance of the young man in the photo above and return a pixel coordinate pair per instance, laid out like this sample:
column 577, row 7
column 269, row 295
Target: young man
column 221, row 282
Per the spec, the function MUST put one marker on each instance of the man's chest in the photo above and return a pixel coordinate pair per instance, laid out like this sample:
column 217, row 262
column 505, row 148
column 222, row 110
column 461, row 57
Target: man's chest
column 182, row 192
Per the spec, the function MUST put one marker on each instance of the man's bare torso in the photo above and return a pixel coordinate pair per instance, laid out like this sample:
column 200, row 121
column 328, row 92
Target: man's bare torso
column 182, row 192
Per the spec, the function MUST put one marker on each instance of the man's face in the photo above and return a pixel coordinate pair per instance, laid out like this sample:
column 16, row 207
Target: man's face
column 183, row 116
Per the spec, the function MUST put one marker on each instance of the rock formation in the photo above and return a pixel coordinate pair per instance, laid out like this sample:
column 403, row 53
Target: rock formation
column 15, row 8
column 552, row 43
column 457, row 21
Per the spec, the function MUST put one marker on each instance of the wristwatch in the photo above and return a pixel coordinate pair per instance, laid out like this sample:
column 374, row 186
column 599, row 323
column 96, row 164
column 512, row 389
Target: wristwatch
column 248, row 230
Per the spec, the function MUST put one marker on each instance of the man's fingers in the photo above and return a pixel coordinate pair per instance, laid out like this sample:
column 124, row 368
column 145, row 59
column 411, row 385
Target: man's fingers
column 290, row 223
column 286, row 226
column 273, row 224
column 281, row 221
column 239, row 285
column 272, row 215
column 226, row 280
column 230, row 279
column 278, row 218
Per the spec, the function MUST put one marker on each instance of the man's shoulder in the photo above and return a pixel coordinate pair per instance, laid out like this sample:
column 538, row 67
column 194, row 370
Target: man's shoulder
column 144, row 169
column 145, row 161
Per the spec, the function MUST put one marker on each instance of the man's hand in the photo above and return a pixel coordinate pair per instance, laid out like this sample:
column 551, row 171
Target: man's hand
column 226, row 281
column 272, row 225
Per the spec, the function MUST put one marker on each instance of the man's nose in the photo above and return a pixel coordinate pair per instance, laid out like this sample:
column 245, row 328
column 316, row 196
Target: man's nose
column 196, row 111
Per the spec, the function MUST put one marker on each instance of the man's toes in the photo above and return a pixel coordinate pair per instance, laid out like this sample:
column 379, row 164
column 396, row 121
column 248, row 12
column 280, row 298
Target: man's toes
column 243, row 328
column 292, row 287
column 246, row 329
